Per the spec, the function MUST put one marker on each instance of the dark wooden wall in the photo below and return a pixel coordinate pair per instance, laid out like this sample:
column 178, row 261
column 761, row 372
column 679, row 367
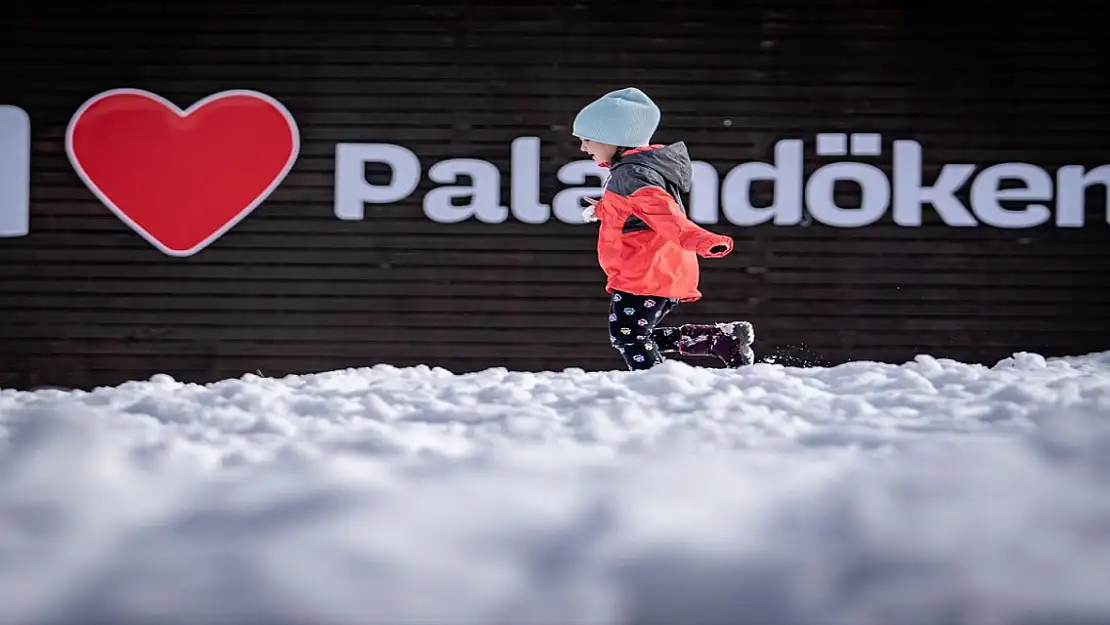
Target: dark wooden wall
column 292, row 289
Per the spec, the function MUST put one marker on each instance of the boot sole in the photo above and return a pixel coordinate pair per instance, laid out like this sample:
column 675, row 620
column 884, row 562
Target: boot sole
column 747, row 356
column 744, row 333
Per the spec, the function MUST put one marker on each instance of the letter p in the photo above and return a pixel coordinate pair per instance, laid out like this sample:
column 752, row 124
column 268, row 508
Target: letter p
column 15, row 172
column 352, row 190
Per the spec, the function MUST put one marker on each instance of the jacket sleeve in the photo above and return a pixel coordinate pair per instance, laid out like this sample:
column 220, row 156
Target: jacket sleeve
column 660, row 212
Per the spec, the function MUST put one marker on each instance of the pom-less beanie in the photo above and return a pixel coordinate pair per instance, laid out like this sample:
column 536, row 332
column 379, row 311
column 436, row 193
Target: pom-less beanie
column 624, row 118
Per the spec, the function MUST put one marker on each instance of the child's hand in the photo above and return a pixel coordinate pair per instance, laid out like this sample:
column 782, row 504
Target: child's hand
column 588, row 212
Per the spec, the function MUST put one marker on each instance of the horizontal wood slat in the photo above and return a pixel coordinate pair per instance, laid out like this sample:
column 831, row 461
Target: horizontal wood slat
column 945, row 311
column 517, row 345
column 449, row 331
column 86, row 301
column 864, row 273
column 508, row 269
column 478, row 302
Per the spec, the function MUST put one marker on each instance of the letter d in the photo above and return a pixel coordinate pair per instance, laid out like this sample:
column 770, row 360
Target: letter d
column 15, row 172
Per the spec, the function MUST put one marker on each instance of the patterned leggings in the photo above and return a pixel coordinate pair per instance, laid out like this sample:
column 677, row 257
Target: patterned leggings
column 634, row 331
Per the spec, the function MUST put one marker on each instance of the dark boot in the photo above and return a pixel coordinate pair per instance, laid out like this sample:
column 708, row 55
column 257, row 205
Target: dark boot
column 730, row 342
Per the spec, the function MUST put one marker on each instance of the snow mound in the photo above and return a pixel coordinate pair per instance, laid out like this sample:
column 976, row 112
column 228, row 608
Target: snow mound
column 929, row 492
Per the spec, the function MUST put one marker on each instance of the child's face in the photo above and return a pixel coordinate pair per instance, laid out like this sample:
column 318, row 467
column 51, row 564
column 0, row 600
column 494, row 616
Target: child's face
column 600, row 152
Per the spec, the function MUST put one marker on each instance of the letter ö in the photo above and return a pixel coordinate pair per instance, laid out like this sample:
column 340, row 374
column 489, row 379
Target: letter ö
column 874, row 186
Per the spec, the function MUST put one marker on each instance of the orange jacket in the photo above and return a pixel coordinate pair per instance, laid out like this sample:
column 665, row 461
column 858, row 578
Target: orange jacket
column 646, row 245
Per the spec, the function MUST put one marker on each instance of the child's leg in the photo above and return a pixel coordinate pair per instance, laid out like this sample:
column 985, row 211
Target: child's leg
column 631, row 321
column 730, row 342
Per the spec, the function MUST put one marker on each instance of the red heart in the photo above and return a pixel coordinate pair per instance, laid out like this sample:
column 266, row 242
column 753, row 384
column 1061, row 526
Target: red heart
column 182, row 178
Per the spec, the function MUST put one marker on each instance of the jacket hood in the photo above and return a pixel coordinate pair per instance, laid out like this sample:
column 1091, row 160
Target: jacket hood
column 670, row 161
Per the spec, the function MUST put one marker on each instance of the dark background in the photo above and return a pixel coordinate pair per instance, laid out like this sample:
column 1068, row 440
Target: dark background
column 86, row 301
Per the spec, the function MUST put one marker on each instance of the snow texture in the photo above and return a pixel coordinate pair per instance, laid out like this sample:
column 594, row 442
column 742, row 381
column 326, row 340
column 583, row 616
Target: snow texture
column 930, row 493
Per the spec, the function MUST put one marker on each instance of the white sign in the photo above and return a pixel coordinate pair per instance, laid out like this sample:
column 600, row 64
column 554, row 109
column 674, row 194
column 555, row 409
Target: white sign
column 794, row 195
column 15, row 172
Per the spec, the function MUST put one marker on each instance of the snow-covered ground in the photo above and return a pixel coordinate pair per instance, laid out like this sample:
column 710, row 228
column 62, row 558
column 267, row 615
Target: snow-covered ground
column 929, row 493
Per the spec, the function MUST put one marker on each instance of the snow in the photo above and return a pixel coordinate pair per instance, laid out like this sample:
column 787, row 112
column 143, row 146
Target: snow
column 928, row 492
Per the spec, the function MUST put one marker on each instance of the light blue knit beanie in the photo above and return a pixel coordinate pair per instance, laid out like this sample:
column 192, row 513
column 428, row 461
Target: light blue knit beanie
column 624, row 118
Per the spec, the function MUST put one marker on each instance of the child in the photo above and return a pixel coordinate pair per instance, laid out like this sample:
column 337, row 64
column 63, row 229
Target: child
column 646, row 245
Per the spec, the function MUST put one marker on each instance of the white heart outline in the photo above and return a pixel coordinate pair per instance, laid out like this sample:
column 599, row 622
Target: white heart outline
column 294, row 154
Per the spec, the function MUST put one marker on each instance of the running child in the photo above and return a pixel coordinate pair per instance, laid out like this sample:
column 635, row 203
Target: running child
column 646, row 245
